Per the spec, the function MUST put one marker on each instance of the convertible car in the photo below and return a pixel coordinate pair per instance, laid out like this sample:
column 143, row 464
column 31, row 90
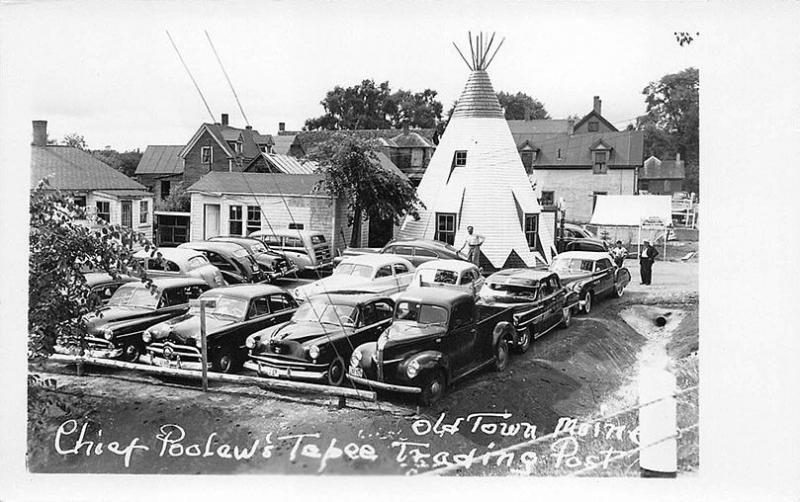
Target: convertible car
column 591, row 275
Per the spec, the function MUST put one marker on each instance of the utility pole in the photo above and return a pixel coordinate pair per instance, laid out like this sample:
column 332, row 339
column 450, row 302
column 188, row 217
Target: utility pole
column 203, row 303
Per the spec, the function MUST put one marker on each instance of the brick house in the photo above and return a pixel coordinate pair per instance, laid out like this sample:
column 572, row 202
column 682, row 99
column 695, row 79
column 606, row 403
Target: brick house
column 233, row 203
column 577, row 162
column 662, row 177
column 105, row 192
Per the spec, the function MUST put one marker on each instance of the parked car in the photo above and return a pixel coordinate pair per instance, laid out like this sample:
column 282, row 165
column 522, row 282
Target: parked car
column 417, row 251
column 239, row 311
column 235, row 262
column 597, row 245
column 539, row 300
column 306, row 249
column 273, row 264
column 115, row 331
column 452, row 274
column 437, row 337
column 571, row 233
column 377, row 273
column 591, row 275
column 319, row 340
column 180, row 262
column 104, row 285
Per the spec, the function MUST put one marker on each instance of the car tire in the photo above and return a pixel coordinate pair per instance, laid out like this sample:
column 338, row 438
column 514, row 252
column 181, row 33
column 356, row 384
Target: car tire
column 587, row 302
column 131, row 353
column 501, row 355
column 335, row 373
column 619, row 290
column 523, row 342
column 566, row 317
column 434, row 387
column 224, row 361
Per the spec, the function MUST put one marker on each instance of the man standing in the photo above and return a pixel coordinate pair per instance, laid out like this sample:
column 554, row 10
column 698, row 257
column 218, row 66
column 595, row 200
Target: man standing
column 473, row 242
column 619, row 253
column 646, row 260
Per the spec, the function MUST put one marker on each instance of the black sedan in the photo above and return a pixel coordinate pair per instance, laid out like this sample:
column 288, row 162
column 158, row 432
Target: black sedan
column 274, row 265
column 235, row 262
column 115, row 331
column 316, row 344
column 237, row 312
column 417, row 251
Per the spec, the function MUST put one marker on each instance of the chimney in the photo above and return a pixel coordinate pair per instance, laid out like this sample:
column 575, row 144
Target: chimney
column 678, row 157
column 224, row 119
column 405, row 128
column 39, row 133
column 597, row 104
column 281, row 126
column 248, row 127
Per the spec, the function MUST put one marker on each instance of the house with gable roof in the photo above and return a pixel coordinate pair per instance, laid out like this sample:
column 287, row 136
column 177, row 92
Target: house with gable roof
column 105, row 192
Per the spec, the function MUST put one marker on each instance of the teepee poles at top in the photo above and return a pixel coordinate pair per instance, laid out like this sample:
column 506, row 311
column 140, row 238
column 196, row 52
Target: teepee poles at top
column 479, row 50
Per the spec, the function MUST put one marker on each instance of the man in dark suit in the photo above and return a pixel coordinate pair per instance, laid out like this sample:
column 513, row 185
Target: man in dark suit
column 646, row 259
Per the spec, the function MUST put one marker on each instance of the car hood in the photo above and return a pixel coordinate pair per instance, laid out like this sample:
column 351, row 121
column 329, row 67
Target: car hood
column 187, row 327
column 334, row 283
column 113, row 314
column 572, row 276
column 302, row 332
column 402, row 332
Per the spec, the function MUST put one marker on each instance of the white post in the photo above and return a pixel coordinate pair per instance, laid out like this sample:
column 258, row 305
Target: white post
column 203, row 347
column 657, row 423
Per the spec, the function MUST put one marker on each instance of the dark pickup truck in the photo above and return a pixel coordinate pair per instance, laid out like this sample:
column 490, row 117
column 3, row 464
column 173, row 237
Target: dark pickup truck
column 437, row 337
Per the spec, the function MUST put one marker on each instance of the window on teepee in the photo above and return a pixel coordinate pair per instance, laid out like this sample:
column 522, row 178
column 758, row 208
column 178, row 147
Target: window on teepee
column 446, row 228
column 460, row 158
column 531, row 230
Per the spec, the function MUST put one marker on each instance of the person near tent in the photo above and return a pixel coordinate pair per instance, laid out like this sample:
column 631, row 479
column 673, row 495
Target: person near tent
column 473, row 244
column 619, row 253
column 646, row 259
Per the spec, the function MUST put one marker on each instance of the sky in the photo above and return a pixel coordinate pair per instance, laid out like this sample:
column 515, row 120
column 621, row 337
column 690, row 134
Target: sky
column 109, row 73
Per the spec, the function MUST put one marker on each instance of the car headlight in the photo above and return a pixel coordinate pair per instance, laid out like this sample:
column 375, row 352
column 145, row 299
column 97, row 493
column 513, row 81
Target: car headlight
column 382, row 342
column 251, row 341
column 412, row 369
column 108, row 334
column 198, row 343
column 313, row 351
column 147, row 337
column 355, row 359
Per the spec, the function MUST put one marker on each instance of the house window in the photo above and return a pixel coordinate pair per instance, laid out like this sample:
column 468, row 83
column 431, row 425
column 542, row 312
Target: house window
column 594, row 198
column 144, row 210
column 532, row 229
column 594, row 126
column 600, row 166
column 446, row 228
column 253, row 219
column 235, row 220
column 416, row 157
column 460, row 158
column 165, row 187
column 548, row 198
column 104, row 210
column 207, row 154
column 644, row 185
column 558, row 155
column 296, row 226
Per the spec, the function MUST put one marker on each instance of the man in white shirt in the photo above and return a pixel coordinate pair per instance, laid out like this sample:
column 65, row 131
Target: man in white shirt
column 473, row 243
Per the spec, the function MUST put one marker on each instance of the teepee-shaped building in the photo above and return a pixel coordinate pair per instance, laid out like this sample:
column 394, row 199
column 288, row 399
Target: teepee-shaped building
column 476, row 178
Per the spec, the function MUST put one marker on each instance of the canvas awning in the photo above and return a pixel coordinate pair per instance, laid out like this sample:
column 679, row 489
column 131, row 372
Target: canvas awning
column 632, row 210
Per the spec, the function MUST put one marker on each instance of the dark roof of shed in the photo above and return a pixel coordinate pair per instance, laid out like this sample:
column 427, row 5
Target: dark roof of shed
column 69, row 168
column 257, row 183
column 541, row 126
column 627, row 147
column 161, row 159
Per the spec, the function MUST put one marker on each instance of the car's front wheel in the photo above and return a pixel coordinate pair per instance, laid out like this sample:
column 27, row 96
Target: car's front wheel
column 434, row 388
column 223, row 361
column 619, row 290
column 501, row 355
column 131, row 353
column 523, row 341
column 335, row 374
column 587, row 302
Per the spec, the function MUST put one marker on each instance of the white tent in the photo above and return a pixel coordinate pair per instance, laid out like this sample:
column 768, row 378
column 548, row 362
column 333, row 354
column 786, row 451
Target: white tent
column 631, row 210
column 476, row 178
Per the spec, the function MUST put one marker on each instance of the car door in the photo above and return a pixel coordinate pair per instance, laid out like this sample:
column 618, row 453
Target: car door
column 402, row 277
column 384, row 281
column 230, row 272
column 547, row 298
column 374, row 318
column 461, row 339
column 556, row 309
column 604, row 272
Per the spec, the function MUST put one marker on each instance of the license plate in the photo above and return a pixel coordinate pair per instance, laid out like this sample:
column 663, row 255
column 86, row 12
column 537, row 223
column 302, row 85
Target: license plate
column 356, row 371
column 273, row 372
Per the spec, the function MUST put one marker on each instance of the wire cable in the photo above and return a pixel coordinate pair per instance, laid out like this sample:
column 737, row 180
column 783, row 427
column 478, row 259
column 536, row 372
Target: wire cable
column 191, row 76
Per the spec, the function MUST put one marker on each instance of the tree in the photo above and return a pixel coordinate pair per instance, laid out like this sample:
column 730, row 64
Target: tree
column 75, row 140
column 177, row 200
column 61, row 249
column 520, row 106
column 353, row 172
column 671, row 124
column 124, row 162
column 371, row 106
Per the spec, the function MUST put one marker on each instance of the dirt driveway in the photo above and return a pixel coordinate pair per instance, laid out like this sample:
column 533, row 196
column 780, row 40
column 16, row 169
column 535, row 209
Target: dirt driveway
column 168, row 426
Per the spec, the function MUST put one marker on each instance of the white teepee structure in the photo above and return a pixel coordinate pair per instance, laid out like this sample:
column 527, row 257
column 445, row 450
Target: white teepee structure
column 476, row 178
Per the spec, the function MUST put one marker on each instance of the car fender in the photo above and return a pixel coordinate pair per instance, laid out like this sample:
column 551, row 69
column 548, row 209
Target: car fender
column 503, row 329
column 623, row 276
column 428, row 360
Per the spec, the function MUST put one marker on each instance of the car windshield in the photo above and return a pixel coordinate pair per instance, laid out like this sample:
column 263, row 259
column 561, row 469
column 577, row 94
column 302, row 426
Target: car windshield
column 441, row 276
column 325, row 313
column 317, row 239
column 241, row 253
column 258, row 247
column 133, row 297
column 423, row 314
column 572, row 264
column 353, row 269
column 226, row 307
column 196, row 262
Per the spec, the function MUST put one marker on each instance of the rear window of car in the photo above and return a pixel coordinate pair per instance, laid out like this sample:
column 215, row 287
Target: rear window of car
column 241, row 253
column 317, row 239
column 425, row 253
column 197, row 262
column 404, row 250
column 292, row 242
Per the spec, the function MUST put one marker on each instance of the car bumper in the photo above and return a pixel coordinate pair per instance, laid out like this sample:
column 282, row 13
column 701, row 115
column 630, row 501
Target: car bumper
column 176, row 363
column 372, row 384
column 104, row 353
column 314, row 373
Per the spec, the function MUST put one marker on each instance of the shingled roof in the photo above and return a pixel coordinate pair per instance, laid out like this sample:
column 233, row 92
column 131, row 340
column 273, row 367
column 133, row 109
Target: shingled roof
column 257, row 183
column 69, row 168
column 576, row 150
column 478, row 98
column 161, row 159
column 307, row 140
column 540, row 126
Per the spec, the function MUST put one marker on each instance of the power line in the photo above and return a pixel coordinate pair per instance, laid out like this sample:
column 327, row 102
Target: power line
column 247, row 122
column 190, row 76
